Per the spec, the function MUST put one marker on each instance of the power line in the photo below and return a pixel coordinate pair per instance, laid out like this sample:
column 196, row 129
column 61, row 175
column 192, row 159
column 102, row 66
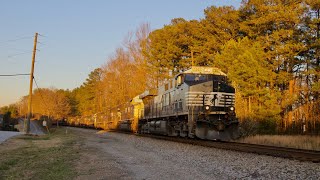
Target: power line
column 13, row 40
column 14, row 74
column 43, row 101
column 13, row 55
column 42, row 35
column 6, row 43
column 36, row 82
column 41, row 43
column 39, row 90
column 17, row 49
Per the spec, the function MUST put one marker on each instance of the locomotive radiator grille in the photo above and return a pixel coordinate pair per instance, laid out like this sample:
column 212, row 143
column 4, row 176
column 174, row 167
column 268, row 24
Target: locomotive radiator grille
column 218, row 99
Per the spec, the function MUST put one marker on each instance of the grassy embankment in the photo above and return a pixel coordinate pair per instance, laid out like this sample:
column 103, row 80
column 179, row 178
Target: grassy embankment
column 298, row 141
column 39, row 157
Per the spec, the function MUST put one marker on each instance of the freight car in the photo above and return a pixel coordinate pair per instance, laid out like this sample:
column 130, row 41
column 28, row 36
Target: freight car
column 196, row 103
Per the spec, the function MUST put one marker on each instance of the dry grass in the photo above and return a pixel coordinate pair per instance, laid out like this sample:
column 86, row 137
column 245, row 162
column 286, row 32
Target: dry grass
column 39, row 157
column 297, row 141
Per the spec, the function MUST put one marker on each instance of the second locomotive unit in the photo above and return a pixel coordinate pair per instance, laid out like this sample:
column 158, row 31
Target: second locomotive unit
column 196, row 103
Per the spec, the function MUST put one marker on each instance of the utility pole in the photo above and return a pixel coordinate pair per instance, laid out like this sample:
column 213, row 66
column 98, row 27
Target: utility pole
column 27, row 122
column 192, row 57
column 193, row 50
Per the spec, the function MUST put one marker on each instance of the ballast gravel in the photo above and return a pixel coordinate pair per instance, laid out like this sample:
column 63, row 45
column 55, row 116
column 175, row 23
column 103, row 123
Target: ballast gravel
column 137, row 157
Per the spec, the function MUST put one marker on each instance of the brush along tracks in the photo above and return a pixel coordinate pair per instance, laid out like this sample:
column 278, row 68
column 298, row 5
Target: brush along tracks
column 289, row 153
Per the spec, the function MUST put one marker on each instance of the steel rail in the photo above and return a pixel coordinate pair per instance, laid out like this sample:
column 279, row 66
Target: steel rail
column 283, row 152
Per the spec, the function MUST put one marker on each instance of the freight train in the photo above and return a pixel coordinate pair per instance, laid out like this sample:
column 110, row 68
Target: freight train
column 197, row 103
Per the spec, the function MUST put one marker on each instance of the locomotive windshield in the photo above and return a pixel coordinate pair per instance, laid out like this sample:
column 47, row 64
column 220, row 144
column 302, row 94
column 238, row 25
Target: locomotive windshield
column 192, row 79
column 220, row 83
column 221, row 86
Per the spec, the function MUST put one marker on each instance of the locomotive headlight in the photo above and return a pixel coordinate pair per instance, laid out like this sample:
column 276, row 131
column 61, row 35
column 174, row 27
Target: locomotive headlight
column 231, row 108
column 207, row 107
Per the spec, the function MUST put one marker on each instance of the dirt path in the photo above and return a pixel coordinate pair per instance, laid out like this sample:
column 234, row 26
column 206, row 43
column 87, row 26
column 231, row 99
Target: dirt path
column 95, row 162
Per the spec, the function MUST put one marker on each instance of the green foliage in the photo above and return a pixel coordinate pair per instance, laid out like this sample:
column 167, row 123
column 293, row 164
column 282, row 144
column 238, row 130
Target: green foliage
column 72, row 101
column 251, row 127
column 11, row 109
column 50, row 102
column 86, row 98
column 173, row 45
column 244, row 62
column 316, row 87
column 267, row 126
column 248, row 127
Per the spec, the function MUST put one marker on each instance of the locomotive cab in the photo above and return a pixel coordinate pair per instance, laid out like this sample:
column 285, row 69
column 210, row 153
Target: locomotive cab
column 210, row 99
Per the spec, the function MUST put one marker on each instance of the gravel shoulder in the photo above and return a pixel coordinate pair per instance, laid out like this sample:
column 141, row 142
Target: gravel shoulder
column 109, row 155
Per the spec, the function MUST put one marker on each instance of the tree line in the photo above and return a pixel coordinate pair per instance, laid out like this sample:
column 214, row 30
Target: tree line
column 268, row 48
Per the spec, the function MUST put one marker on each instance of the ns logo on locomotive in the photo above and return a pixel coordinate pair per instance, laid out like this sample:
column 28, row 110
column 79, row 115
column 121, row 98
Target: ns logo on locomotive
column 198, row 103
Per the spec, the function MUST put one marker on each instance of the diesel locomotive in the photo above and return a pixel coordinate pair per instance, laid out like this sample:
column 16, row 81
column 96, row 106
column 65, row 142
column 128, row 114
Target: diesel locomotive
column 196, row 103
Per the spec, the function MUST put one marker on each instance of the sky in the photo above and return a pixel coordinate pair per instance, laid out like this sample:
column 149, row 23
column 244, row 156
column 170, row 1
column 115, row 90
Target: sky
column 76, row 37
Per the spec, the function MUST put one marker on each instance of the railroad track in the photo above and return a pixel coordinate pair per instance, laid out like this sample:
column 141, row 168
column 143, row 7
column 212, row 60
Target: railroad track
column 283, row 152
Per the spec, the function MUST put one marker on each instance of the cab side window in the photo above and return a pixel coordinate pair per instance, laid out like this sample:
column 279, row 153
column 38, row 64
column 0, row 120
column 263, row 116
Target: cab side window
column 179, row 80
